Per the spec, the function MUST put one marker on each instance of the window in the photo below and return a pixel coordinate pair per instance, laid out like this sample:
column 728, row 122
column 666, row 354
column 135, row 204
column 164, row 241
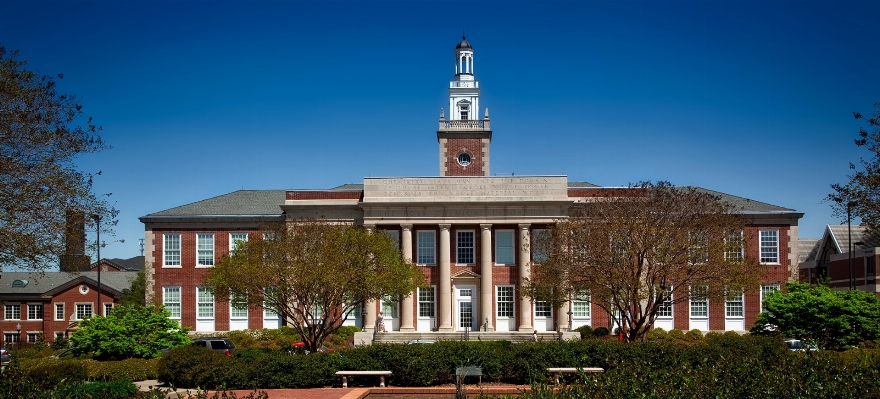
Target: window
column 171, row 300
column 204, row 302
column 733, row 248
column 10, row 338
column 35, row 312
column 426, row 252
column 870, row 266
column 504, row 247
column 235, row 239
column 539, row 238
column 205, row 249
column 33, row 337
column 765, row 291
column 390, row 306
column 699, row 243
column 172, row 249
column 13, row 311
column 59, row 311
column 394, row 235
column 269, row 311
column 83, row 311
column 580, row 305
column 733, row 307
column 464, row 247
column 665, row 309
column 504, row 297
column 769, row 246
column 543, row 309
column 108, row 307
column 464, row 159
column 238, row 308
column 426, row 302
column 699, row 301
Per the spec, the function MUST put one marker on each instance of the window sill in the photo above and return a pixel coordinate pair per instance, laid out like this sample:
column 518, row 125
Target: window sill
column 172, row 267
column 771, row 264
column 204, row 266
column 504, row 264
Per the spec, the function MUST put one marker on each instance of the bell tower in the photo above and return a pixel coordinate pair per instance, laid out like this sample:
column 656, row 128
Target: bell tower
column 464, row 138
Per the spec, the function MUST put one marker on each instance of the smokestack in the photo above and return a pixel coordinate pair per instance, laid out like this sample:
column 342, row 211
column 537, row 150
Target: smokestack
column 74, row 258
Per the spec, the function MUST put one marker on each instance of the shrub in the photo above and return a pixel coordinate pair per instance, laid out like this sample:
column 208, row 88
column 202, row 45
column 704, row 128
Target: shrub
column 346, row 331
column 50, row 374
column 586, row 331
column 656, row 334
column 128, row 369
column 98, row 390
column 675, row 334
column 194, row 366
column 600, row 332
column 693, row 335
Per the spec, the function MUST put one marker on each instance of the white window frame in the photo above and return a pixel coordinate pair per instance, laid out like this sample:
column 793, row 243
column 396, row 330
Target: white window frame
column 505, row 251
column 235, row 238
column 237, row 305
column 508, row 299
column 735, row 255
column 735, row 305
column 79, row 310
column 426, row 254
column 10, row 338
column 171, row 243
column 12, row 311
column 108, row 307
column 33, row 337
column 765, row 291
column 205, row 250
column 543, row 309
column 390, row 307
column 169, row 300
column 771, row 258
column 32, row 315
column 203, row 294
column 427, row 303
column 462, row 250
column 699, row 300
column 666, row 310
column 581, row 304
column 59, row 310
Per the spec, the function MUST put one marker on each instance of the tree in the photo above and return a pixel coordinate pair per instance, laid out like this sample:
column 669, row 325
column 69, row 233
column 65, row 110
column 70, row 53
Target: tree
column 643, row 248
column 39, row 184
column 818, row 315
column 136, row 294
column 129, row 331
column 314, row 272
column 861, row 194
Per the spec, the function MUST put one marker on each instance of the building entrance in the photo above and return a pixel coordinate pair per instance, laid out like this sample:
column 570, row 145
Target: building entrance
column 465, row 308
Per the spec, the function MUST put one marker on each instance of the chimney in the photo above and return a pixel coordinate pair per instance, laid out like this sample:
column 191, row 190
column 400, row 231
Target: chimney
column 74, row 258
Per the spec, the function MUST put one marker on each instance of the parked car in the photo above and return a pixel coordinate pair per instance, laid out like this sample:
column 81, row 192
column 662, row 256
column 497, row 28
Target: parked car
column 799, row 346
column 302, row 348
column 68, row 353
column 218, row 344
column 4, row 355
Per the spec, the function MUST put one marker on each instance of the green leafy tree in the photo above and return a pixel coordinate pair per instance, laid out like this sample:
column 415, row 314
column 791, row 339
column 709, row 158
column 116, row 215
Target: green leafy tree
column 861, row 194
column 641, row 248
column 129, row 331
column 314, row 273
column 135, row 294
column 819, row 315
column 39, row 185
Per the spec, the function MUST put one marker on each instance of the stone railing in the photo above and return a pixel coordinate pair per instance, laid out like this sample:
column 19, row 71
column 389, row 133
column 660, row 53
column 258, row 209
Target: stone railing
column 463, row 83
column 468, row 125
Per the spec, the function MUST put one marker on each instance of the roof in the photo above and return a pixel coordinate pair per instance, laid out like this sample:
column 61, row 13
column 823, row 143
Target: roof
column 463, row 45
column 131, row 264
column 241, row 202
column 41, row 283
column 580, row 184
column 839, row 234
column 745, row 204
column 807, row 248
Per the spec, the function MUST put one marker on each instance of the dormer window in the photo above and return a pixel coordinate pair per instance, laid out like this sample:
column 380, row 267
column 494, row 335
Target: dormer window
column 19, row 283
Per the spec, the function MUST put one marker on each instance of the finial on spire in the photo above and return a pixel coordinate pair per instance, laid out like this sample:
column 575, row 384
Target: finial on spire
column 462, row 33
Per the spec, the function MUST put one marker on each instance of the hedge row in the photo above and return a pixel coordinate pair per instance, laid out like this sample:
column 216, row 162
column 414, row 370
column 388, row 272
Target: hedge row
column 55, row 371
column 728, row 366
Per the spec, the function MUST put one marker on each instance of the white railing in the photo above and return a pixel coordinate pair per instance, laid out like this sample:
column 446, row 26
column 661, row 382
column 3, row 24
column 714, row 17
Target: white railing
column 463, row 83
column 464, row 125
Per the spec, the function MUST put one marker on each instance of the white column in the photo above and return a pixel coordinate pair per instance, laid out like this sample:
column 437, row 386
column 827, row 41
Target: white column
column 406, row 305
column 487, row 288
column 444, row 305
column 525, row 258
column 370, row 319
column 562, row 315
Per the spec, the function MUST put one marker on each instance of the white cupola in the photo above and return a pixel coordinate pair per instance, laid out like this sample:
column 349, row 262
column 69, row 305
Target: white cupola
column 464, row 90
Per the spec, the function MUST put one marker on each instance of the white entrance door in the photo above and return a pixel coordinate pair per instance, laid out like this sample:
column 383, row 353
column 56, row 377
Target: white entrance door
column 465, row 309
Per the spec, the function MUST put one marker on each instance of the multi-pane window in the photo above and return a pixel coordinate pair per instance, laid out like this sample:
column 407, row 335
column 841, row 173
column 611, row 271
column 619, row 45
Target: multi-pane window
column 10, row 338
column 35, row 312
column 235, row 239
column 108, row 307
column 580, row 305
column 33, row 337
column 426, row 252
column 238, row 307
column 394, row 235
column 390, row 306
column 665, row 309
column 733, row 306
column 769, row 246
column 766, row 290
column 539, row 241
column 464, row 247
column 204, row 302
column 172, row 249
column 543, row 309
column 698, row 250
column 269, row 310
column 733, row 247
column 171, row 300
column 427, row 302
column 59, row 311
column 13, row 312
column 205, row 249
column 699, row 301
column 83, row 311
column 504, row 247
column 870, row 266
column 505, row 300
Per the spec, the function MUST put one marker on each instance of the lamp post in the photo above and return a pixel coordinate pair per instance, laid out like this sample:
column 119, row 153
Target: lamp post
column 18, row 334
column 98, row 231
column 852, row 280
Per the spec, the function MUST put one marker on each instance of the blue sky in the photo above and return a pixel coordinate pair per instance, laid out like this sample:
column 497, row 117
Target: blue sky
column 201, row 98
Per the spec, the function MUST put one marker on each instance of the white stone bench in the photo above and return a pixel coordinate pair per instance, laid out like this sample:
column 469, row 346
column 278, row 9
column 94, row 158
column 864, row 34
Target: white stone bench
column 347, row 373
column 560, row 370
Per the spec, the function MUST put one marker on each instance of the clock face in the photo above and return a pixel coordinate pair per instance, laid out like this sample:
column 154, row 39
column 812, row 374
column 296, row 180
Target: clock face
column 464, row 159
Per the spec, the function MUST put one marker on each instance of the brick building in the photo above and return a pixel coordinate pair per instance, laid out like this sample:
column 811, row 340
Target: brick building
column 847, row 256
column 466, row 230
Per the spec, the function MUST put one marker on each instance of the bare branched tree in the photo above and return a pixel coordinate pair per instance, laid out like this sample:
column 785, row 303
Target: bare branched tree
column 860, row 196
